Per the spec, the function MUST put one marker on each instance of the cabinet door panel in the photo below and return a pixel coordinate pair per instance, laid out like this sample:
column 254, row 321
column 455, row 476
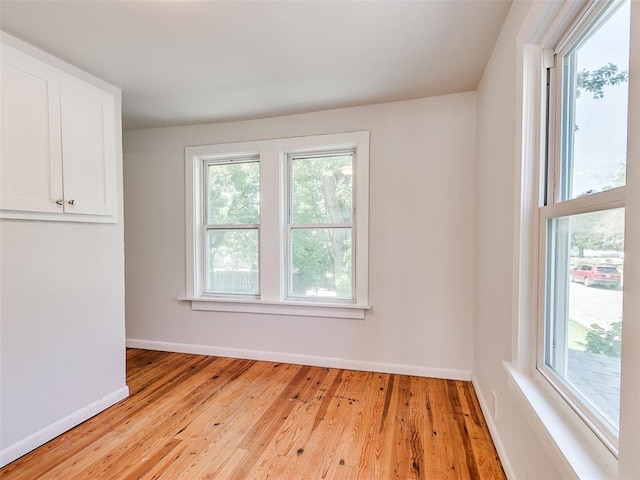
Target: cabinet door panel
column 88, row 149
column 31, row 161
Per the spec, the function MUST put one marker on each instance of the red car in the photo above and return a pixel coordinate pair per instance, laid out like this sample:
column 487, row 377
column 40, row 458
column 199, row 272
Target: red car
column 596, row 275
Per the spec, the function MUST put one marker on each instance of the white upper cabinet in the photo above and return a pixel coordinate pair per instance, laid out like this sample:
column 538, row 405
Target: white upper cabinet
column 58, row 144
column 31, row 162
column 88, row 149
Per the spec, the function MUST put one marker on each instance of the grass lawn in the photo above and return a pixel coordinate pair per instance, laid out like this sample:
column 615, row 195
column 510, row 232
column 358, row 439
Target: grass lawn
column 577, row 335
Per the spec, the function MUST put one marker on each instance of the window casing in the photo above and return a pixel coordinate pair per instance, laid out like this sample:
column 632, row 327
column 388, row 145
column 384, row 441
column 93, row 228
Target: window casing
column 310, row 219
column 582, row 216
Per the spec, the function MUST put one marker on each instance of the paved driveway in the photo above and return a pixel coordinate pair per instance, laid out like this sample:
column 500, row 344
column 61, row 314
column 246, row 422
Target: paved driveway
column 596, row 376
column 599, row 305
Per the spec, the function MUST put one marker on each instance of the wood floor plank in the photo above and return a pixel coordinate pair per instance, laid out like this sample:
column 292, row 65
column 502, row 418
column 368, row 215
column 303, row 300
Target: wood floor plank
column 486, row 456
column 374, row 416
column 192, row 417
column 301, row 389
column 162, row 430
column 206, row 435
column 302, row 421
column 243, row 416
column 72, row 443
column 331, row 442
column 140, row 430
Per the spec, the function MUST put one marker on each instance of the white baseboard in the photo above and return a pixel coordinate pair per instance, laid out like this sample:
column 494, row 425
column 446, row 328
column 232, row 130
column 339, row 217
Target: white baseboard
column 39, row 438
column 493, row 430
column 311, row 360
column 418, row 371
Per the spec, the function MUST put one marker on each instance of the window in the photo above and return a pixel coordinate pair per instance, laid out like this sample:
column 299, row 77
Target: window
column 320, row 226
column 231, row 226
column 582, row 218
column 279, row 226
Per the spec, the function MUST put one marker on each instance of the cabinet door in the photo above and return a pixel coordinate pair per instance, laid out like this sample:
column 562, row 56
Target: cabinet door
column 88, row 147
column 31, row 161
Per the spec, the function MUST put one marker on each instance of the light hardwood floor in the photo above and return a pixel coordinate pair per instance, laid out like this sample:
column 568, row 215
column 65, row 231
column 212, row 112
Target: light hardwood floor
column 197, row 417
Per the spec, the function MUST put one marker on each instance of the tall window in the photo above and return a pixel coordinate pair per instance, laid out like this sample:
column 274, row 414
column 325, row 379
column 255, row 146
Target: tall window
column 583, row 216
column 320, row 226
column 231, row 226
column 279, row 226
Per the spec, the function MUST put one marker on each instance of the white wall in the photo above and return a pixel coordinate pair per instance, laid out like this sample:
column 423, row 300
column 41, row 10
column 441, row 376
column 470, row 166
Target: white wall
column 497, row 158
column 62, row 349
column 421, row 243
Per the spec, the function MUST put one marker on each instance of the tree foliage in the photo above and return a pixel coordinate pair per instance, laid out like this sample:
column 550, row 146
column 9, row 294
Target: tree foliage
column 603, row 231
column 321, row 201
column 233, row 200
column 322, row 193
column 233, row 193
column 598, row 231
column 594, row 81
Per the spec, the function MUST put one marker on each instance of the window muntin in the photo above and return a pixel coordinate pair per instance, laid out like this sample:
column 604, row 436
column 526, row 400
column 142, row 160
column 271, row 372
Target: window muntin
column 594, row 106
column 582, row 219
column 320, row 227
column 231, row 226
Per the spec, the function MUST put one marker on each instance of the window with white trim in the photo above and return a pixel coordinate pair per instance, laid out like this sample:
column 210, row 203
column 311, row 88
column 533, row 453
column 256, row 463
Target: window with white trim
column 320, row 225
column 582, row 217
column 231, row 225
column 279, row 226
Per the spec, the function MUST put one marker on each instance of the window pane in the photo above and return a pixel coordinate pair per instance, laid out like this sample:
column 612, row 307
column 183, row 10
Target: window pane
column 584, row 306
column 321, row 263
column 233, row 193
column 321, row 189
column 232, row 261
column 594, row 123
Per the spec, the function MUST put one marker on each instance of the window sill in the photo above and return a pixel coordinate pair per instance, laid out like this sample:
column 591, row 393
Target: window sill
column 575, row 450
column 301, row 309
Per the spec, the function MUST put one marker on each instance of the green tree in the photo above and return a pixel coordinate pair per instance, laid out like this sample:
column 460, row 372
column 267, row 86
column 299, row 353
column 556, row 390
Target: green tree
column 594, row 81
column 233, row 199
column 321, row 193
column 598, row 231
column 603, row 231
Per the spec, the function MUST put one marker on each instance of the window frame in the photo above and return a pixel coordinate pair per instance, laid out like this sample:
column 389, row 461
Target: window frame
column 572, row 445
column 568, row 395
column 290, row 225
column 273, row 244
column 205, row 164
column 557, row 202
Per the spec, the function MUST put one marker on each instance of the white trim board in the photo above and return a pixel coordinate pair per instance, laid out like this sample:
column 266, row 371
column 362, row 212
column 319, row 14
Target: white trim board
column 39, row 438
column 311, row 360
column 493, row 430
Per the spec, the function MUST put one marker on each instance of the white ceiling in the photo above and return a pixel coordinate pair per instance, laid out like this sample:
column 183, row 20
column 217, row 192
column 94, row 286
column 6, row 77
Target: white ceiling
column 186, row 62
